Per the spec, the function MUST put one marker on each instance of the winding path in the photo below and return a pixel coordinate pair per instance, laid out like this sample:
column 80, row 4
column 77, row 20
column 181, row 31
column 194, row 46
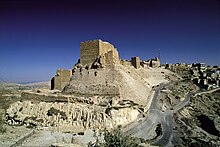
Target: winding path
column 145, row 127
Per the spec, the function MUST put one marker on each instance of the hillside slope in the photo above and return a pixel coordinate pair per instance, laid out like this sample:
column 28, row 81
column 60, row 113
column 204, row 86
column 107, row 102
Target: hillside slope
column 126, row 82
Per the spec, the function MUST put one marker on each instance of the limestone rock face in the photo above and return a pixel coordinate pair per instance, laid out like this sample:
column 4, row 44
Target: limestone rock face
column 68, row 117
column 122, row 116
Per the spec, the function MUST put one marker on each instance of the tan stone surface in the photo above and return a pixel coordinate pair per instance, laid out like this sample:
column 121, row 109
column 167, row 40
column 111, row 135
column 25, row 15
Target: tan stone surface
column 136, row 62
column 91, row 50
column 61, row 78
column 69, row 117
column 13, row 135
column 154, row 63
column 124, row 81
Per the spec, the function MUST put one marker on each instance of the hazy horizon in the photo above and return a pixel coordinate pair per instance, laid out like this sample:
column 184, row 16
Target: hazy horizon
column 38, row 37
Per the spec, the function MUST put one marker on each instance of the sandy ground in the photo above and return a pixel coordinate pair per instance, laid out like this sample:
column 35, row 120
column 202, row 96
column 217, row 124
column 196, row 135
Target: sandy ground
column 46, row 138
column 13, row 135
column 43, row 137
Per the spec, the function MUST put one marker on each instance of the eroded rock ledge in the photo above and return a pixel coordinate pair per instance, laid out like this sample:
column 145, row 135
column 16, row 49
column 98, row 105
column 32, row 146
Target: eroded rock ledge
column 71, row 116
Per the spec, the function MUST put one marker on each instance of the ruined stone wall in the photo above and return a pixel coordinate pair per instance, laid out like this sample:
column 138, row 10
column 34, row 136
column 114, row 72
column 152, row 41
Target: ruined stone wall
column 92, row 82
column 64, row 73
column 61, row 79
column 105, row 47
column 126, row 63
column 155, row 63
column 109, row 52
column 136, row 62
column 115, row 54
column 111, row 58
column 42, row 97
column 56, row 83
column 89, row 51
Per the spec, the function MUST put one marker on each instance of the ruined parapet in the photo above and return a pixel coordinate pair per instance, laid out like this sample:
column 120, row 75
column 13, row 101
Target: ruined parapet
column 125, row 62
column 109, row 53
column 61, row 79
column 154, row 63
column 53, row 97
column 113, row 81
column 92, row 82
column 90, row 51
column 136, row 62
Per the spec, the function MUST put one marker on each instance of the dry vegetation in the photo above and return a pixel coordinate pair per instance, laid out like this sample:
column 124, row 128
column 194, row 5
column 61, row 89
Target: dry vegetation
column 199, row 122
column 10, row 93
column 114, row 138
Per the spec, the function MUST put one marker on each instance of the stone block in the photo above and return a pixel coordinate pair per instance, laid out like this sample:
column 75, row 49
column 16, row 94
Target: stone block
column 91, row 50
column 61, row 79
column 136, row 62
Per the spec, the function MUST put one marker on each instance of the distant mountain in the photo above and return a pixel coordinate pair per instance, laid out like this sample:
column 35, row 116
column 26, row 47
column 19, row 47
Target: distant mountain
column 16, row 86
column 45, row 83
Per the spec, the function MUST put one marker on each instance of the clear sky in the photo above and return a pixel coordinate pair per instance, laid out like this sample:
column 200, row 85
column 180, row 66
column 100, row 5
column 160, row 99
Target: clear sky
column 39, row 36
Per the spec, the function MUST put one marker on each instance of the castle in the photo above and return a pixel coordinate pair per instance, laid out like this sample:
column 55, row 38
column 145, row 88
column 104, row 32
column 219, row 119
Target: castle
column 100, row 91
column 98, row 54
column 91, row 51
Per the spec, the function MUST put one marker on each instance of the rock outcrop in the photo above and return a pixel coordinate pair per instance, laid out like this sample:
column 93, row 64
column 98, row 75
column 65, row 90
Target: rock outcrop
column 199, row 122
column 69, row 116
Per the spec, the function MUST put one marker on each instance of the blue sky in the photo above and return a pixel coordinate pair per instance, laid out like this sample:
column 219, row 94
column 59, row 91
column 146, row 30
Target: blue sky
column 38, row 37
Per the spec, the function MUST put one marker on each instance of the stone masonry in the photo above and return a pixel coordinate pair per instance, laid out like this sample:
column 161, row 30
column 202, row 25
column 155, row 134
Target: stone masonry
column 90, row 51
column 61, row 78
column 154, row 63
column 136, row 62
column 97, row 54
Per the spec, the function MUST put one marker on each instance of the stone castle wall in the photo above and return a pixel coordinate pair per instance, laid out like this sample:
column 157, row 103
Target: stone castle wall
column 91, row 50
column 97, row 54
column 92, row 82
column 108, row 53
column 154, row 63
column 136, row 62
column 125, row 63
column 61, row 78
column 105, row 47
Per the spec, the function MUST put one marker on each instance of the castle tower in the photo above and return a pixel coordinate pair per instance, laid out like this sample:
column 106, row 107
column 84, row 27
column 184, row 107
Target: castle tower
column 91, row 50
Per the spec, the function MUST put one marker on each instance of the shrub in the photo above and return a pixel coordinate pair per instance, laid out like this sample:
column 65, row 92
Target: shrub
column 114, row 138
column 53, row 111
column 2, row 127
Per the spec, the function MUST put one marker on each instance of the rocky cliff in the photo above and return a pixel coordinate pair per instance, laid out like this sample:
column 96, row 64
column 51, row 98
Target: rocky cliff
column 70, row 116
